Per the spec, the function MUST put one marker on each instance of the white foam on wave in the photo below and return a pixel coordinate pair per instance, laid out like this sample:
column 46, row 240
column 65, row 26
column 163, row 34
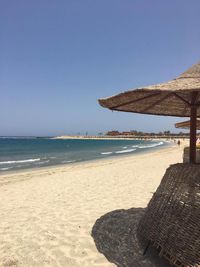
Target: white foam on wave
column 106, row 153
column 151, row 145
column 42, row 162
column 68, row 161
column 125, row 147
column 5, row 169
column 125, row 151
column 18, row 161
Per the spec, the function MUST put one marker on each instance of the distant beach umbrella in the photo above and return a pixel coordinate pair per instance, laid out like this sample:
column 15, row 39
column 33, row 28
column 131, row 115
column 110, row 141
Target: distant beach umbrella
column 179, row 97
column 186, row 124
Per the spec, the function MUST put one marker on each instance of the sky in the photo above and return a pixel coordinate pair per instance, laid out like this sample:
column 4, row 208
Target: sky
column 57, row 58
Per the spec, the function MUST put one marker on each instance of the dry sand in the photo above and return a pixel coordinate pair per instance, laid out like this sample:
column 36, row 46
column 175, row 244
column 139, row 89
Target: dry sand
column 47, row 215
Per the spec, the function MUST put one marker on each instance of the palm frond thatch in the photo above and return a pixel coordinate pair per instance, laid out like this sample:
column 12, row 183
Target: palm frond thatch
column 172, row 98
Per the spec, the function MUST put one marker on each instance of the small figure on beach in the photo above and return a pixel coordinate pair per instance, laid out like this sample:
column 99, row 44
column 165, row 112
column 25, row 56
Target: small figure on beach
column 178, row 142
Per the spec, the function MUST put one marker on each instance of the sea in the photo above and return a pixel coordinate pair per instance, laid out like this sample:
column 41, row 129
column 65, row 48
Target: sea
column 25, row 153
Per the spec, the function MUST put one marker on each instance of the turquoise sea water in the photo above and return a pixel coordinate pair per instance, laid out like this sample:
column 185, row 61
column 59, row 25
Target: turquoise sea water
column 23, row 153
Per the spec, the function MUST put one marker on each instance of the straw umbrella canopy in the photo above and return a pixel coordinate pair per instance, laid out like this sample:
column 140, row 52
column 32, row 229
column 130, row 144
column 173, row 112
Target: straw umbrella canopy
column 179, row 97
column 186, row 124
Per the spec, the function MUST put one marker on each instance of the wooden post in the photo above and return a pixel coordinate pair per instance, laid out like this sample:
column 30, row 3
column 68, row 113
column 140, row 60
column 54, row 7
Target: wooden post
column 193, row 126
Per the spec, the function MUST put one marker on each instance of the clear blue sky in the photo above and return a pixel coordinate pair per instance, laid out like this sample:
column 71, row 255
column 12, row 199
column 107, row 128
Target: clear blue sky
column 58, row 57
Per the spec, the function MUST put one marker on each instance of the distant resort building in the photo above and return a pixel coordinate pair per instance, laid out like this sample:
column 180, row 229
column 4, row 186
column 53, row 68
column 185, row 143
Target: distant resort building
column 126, row 133
column 113, row 133
column 117, row 133
column 134, row 133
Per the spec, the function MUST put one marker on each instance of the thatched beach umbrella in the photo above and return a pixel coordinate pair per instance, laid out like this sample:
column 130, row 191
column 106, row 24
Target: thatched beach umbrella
column 186, row 124
column 179, row 97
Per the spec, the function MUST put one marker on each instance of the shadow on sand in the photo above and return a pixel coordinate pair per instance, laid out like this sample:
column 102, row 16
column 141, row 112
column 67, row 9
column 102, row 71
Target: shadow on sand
column 115, row 237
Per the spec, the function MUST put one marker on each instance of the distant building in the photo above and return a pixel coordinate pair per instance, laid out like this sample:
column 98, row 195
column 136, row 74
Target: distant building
column 134, row 133
column 126, row 133
column 113, row 133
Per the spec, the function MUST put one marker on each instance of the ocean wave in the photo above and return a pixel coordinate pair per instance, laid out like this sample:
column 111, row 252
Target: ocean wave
column 125, row 151
column 106, row 153
column 5, row 169
column 68, row 161
column 135, row 146
column 42, row 162
column 18, row 161
column 125, row 147
column 151, row 145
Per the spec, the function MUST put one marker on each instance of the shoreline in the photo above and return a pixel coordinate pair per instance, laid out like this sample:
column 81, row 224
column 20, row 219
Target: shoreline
column 83, row 164
column 65, row 165
column 47, row 215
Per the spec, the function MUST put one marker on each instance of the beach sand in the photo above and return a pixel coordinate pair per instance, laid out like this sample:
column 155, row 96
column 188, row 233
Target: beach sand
column 47, row 215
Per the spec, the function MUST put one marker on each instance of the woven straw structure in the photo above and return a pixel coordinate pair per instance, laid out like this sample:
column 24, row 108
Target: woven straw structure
column 172, row 98
column 171, row 221
column 186, row 124
column 186, row 153
column 172, row 217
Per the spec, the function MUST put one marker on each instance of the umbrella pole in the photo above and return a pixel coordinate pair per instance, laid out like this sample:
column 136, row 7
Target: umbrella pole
column 193, row 126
